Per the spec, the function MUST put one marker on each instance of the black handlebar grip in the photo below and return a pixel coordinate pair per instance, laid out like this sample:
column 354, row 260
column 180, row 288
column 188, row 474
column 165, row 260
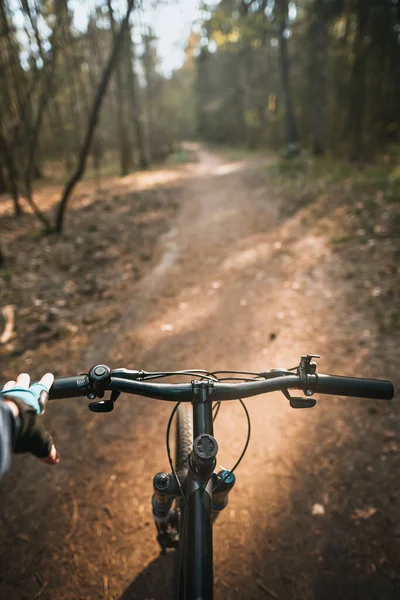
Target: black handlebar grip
column 69, row 387
column 354, row 386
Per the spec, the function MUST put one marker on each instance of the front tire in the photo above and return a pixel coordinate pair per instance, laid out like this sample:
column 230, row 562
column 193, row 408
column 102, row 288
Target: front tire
column 184, row 437
column 184, row 446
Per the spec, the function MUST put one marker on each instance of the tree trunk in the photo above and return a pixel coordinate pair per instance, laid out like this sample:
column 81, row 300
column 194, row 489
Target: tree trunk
column 125, row 152
column 357, row 88
column 12, row 186
column 262, row 102
column 3, row 182
column 31, row 166
column 240, row 95
column 319, row 78
column 136, row 106
column 93, row 119
column 148, row 71
column 202, row 89
column 291, row 132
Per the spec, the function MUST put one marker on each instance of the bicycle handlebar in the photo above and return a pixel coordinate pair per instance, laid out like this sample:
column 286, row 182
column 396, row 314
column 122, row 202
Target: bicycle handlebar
column 354, row 386
column 71, row 387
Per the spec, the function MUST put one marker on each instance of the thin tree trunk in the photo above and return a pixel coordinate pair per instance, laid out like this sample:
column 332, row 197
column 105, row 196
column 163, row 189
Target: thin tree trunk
column 12, row 176
column 263, row 97
column 202, row 86
column 3, row 182
column 29, row 172
column 31, row 165
column 125, row 153
column 136, row 106
column 241, row 100
column 93, row 119
column 244, row 69
column 319, row 78
column 76, row 93
column 291, row 132
column 357, row 89
column 148, row 71
column 13, row 54
column 31, row 128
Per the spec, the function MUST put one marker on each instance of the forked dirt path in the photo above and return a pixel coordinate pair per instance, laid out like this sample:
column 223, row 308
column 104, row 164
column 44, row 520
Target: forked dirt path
column 237, row 286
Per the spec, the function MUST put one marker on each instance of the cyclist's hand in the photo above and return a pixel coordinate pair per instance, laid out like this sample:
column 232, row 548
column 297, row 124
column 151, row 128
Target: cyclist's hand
column 27, row 404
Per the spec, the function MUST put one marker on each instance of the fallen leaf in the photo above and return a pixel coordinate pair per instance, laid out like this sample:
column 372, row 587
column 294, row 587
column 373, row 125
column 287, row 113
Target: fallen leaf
column 363, row 513
column 376, row 291
column 318, row 509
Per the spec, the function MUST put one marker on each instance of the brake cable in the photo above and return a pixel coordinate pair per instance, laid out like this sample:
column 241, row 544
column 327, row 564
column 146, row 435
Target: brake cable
column 171, row 464
column 229, row 471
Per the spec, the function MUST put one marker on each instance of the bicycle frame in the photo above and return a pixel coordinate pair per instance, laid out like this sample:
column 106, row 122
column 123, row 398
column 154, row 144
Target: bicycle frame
column 196, row 543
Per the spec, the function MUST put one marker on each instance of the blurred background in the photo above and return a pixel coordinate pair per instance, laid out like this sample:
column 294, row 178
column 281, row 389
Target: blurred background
column 260, row 74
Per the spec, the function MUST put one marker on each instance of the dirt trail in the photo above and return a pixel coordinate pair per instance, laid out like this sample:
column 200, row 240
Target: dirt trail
column 237, row 286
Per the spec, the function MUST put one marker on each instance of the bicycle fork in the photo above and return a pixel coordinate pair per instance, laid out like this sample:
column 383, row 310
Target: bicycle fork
column 165, row 515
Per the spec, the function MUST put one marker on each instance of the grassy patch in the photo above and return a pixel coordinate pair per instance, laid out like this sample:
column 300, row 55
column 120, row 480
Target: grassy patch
column 240, row 153
column 310, row 170
column 341, row 239
column 292, row 167
column 179, row 157
column 5, row 275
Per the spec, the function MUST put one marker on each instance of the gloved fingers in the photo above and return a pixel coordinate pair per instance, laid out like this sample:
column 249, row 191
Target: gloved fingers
column 17, row 390
column 8, row 385
column 27, row 396
column 47, row 380
column 23, row 380
column 41, row 394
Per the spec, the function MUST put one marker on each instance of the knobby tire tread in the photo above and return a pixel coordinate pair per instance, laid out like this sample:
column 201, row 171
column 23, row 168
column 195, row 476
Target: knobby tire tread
column 184, row 436
column 184, row 445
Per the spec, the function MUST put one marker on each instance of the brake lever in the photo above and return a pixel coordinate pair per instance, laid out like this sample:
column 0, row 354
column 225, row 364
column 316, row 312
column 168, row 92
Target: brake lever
column 102, row 406
column 105, row 405
column 298, row 401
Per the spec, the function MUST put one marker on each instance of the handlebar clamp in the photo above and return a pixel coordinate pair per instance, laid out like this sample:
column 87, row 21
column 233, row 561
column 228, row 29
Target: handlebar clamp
column 306, row 367
column 100, row 377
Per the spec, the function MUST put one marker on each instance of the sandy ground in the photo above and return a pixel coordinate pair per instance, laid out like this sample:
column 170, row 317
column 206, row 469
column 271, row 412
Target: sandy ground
column 242, row 282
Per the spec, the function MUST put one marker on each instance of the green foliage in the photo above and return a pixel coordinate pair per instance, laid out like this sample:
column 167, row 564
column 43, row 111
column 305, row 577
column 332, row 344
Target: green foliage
column 381, row 177
column 5, row 275
column 339, row 240
column 344, row 60
column 179, row 157
column 238, row 153
column 292, row 167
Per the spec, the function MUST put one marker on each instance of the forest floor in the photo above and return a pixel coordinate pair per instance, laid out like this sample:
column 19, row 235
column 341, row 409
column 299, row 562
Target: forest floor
column 221, row 262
